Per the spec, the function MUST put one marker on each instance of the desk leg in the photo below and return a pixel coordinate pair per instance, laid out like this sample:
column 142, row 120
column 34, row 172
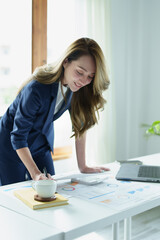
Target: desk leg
column 127, row 228
column 115, row 230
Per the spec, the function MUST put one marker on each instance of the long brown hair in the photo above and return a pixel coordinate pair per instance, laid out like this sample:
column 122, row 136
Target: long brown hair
column 87, row 101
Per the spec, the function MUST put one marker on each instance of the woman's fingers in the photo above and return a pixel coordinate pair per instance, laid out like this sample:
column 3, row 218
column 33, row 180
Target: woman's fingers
column 105, row 169
column 95, row 169
column 49, row 176
column 43, row 177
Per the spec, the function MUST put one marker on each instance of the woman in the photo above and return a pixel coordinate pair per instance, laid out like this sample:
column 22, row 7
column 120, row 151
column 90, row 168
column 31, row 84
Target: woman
column 75, row 83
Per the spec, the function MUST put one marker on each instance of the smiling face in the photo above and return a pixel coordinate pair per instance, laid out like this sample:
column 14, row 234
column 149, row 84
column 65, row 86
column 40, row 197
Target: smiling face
column 79, row 73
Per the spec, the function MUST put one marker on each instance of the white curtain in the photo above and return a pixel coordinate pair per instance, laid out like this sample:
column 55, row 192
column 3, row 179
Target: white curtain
column 135, row 32
column 101, row 138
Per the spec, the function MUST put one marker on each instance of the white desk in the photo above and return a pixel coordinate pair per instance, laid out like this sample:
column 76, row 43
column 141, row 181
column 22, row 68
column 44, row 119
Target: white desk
column 15, row 226
column 80, row 217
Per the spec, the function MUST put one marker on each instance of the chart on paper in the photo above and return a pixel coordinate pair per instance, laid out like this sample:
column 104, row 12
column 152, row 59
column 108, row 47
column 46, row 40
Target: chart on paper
column 111, row 193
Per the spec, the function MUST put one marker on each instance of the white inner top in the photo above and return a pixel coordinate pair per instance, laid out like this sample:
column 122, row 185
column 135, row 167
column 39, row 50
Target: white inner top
column 60, row 98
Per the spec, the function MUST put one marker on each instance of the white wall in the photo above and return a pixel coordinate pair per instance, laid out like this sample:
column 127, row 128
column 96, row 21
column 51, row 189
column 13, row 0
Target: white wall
column 135, row 26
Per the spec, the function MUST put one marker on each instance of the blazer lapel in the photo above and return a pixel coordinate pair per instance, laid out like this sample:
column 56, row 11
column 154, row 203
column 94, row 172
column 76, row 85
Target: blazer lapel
column 50, row 115
column 64, row 106
column 48, row 128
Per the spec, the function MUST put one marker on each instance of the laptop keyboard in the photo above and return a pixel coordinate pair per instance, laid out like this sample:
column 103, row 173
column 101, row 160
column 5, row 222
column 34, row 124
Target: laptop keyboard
column 149, row 171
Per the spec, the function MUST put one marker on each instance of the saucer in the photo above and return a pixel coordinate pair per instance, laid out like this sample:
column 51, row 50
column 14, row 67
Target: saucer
column 41, row 199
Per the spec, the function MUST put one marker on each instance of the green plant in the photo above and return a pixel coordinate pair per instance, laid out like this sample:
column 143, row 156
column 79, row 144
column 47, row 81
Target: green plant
column 153, row 129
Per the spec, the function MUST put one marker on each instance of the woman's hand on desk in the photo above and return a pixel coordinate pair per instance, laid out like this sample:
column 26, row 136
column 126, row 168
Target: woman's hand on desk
column 98, row 169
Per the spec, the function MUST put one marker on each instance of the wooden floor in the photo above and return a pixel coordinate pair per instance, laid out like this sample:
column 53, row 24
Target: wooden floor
column 145, row 226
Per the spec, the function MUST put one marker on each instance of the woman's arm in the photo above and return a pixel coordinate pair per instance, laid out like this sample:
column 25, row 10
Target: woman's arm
column 26, row 157
column 81, row 157
column 81, row 152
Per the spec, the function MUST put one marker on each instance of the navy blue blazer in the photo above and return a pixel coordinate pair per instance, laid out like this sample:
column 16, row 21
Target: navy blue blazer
column 30, row 117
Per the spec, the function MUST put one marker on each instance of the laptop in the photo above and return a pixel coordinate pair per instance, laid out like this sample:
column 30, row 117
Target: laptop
column 134, row 172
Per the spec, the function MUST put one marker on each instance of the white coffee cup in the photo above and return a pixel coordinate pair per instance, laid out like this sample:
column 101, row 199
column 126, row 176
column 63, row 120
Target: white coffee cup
column 45, row 188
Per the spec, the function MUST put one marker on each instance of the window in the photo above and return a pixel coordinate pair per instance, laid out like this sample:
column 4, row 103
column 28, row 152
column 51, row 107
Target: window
column 15, row 48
